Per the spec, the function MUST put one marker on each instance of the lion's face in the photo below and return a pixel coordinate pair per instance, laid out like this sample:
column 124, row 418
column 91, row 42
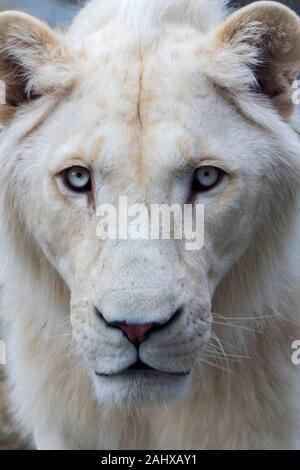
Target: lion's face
column 143, row 130
column 148, row 125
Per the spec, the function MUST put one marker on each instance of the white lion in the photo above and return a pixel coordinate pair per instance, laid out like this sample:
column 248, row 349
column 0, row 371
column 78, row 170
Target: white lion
column 134, row 343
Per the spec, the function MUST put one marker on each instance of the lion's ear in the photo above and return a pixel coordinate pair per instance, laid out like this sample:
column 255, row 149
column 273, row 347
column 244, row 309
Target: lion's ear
column 33, row 60
column 259, row 47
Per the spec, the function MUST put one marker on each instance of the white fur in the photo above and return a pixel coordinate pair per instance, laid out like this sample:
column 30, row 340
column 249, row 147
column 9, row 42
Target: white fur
column 145, row 100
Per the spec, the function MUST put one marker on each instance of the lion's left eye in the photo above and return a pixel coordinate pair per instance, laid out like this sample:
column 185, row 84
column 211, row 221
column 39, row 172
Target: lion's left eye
column 206, row 178
column 78, row 178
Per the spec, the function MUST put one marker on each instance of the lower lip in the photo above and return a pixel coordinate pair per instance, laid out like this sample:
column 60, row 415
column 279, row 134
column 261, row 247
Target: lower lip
column 144, row 373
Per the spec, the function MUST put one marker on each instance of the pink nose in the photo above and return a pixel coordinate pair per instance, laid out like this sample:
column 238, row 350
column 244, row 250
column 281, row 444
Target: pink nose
column 135, row 333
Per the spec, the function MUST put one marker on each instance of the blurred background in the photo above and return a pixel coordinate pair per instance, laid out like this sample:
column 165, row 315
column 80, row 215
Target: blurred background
column 55, row 12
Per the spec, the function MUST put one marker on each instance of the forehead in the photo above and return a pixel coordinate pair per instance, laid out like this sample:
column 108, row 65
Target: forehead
column 150, row 104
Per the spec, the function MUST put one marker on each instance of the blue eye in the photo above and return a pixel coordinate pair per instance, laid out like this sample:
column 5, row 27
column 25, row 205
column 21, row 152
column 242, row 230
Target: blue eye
column 78, row 179
column 206, row 178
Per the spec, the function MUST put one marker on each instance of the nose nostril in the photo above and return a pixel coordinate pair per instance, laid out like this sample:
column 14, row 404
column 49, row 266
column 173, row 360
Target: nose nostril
column 98, row 314
column 177, row 313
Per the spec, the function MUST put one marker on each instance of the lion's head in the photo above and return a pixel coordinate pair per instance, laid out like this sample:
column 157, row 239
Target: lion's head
column 161, row 106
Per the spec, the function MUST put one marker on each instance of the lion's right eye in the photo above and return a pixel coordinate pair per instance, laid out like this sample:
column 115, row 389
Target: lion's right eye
column 206, row 178
column 77, row 178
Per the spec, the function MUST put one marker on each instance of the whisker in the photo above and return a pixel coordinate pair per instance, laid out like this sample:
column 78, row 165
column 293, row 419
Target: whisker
column 229, row 355
column 214, row 335
column 220, row 357
column 235, row 326
column 59, row 336
column 244, row 318
column 213, row 364
column 276, row 315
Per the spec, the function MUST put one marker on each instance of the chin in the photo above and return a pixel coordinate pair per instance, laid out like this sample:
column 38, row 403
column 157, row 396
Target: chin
column 133, row 388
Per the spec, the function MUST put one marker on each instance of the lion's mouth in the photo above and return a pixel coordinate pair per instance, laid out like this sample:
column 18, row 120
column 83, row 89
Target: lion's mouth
column 140, row 367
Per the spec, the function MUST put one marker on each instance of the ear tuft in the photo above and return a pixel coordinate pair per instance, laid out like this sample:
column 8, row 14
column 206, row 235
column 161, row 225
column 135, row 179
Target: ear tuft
column 33, row 58
column 259, row 47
